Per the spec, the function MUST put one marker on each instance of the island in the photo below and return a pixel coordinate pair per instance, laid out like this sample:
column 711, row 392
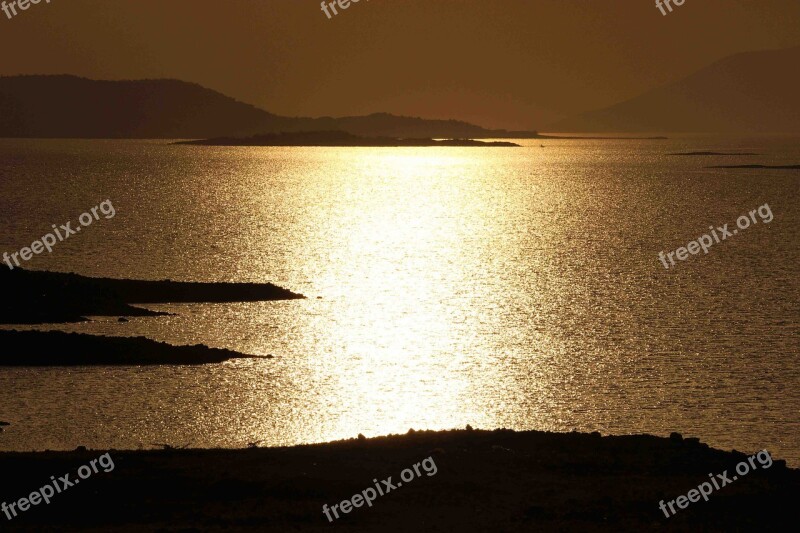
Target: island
column 337, row 139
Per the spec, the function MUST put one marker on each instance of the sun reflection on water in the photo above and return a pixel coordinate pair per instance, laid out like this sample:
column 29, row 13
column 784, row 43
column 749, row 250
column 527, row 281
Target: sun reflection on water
column 500, row 288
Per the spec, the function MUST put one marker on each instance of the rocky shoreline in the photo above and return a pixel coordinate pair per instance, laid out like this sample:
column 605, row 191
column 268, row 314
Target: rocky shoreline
column 54, row 348
column 485, row 481
column 39, row 297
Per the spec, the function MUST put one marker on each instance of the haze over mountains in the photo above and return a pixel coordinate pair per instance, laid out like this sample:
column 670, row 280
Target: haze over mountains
column 753, row 92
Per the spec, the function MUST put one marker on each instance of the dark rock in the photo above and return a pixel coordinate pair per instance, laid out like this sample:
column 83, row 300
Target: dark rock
column 34, row 297
column 535, row 511
column 54, row 348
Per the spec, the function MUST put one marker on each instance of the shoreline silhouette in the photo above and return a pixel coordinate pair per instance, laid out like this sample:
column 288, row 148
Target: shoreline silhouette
column 57, row 349
column 486, row 481
column 39, row 297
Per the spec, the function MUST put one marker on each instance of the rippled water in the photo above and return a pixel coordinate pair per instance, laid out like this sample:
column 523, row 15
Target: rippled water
column 497, row 287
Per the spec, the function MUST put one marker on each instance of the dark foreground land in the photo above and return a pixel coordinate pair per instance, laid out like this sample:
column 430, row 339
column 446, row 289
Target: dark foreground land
column 36, row 297
column 484, row 482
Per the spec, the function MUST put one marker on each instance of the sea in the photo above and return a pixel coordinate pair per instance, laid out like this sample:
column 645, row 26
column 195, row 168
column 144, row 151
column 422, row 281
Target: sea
column 497, row 287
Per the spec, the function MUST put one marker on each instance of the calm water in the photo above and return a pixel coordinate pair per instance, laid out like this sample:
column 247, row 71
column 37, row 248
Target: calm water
column 497, row 287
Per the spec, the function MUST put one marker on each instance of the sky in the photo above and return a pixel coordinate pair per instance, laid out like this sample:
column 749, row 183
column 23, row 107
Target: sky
column 516, row 64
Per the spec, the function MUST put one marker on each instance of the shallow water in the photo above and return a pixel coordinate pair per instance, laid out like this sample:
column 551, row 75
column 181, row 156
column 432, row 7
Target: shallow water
column 500, row 287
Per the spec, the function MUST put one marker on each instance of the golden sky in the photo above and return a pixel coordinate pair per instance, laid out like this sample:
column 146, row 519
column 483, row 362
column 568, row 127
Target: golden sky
column 498, row 63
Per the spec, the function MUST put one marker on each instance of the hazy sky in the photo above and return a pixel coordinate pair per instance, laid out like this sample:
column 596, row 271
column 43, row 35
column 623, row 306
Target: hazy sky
column 499, row 63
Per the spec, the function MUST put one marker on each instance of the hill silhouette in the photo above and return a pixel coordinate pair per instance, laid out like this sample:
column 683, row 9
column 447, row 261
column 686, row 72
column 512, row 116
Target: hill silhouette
column 752, row 92
column 71, row 107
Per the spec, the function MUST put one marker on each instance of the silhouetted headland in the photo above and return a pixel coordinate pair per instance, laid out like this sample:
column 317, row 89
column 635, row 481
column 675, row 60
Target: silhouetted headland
column 335, row 138
column 484, row 481
column 37, row 297
column 54, row 348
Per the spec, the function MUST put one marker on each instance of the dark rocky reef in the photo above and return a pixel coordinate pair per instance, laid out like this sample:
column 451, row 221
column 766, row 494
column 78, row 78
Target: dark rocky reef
column 35, row 297
column 54, row 348
column 334, row 138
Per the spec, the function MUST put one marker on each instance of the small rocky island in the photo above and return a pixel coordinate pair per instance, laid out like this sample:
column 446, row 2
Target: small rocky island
column 335, row 138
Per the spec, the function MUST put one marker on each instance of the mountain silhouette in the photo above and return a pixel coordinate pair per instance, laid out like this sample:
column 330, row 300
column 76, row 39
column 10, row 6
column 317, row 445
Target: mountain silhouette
column 752, row 92
column 66, row 106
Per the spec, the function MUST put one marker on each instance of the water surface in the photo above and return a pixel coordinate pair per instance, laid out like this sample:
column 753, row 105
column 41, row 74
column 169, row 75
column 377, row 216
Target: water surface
column 500, row 287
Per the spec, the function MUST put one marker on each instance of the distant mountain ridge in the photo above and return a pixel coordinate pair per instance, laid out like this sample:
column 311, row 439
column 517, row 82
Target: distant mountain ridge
column 751, row 92
column 65, row 106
